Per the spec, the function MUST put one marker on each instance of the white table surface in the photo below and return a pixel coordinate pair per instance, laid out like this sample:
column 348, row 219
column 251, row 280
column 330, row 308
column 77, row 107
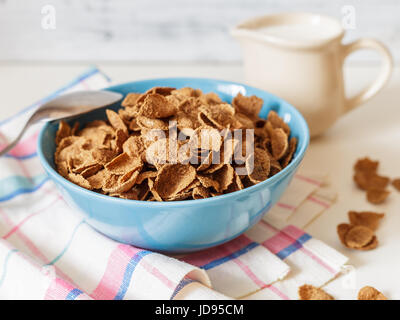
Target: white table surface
column 372, row 130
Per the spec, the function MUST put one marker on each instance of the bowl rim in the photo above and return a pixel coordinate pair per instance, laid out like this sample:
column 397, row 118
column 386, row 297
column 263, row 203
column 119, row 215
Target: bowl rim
column 158, row 204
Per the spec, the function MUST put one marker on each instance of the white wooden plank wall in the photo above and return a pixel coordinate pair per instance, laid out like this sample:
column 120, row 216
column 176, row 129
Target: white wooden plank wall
column 164, row 30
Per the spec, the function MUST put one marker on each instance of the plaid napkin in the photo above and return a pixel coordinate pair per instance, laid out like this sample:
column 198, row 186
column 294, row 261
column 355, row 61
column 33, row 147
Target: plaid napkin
column 47, row 251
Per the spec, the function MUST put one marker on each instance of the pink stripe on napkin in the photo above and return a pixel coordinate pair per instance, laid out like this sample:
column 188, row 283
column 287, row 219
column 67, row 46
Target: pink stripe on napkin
column 24, row 148
column 114, row 274
column 307, row 179
column 204, row 257
column 58, row 290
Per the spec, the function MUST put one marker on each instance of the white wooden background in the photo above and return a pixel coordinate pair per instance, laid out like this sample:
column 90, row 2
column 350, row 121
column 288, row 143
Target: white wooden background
column 164, row 30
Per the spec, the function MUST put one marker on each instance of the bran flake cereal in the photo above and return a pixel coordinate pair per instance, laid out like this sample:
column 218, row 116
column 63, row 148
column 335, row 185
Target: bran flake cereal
column 131, row 154
column 309, row 292
column 359, row 234
column 367, row 179
column 370, row 293
column 367, row 219
column 396, row 183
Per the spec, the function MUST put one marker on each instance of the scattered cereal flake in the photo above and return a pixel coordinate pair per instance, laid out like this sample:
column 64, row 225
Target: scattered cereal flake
column 279, row 143
column 64, row 130
column 249, row 106
column 378, row 182
column 367, row 179
column 371, row 245
column 277, row 122
column 361, row 178
column 131, row 99
column 173, row 178
column 309, row 292
column 258, row 165
column 342, row 230
column 396, row 183
column 123, row 163
column 366, row 218
column 377, row 196
column 358, row 237
column 116, row 121
column 366, row 164
column 157, row 106
column 370, row 293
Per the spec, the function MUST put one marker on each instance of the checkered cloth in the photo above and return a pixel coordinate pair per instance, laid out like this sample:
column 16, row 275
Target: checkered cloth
column 48, row 251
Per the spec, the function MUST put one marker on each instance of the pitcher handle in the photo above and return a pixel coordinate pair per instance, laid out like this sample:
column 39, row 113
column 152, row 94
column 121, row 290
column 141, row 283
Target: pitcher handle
column 380, row 81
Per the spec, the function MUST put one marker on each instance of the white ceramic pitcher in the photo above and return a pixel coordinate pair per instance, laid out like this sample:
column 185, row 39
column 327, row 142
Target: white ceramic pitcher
column 299, row 57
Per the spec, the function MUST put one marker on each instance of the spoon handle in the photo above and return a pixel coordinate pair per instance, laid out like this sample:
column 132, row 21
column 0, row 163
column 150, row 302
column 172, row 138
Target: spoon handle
column 66, row 106
column 31, row 120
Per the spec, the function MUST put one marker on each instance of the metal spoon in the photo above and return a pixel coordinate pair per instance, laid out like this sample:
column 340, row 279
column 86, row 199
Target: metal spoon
column 67, row 106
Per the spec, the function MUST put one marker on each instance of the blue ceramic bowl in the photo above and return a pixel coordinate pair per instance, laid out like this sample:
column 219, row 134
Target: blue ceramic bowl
column 180, row 226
